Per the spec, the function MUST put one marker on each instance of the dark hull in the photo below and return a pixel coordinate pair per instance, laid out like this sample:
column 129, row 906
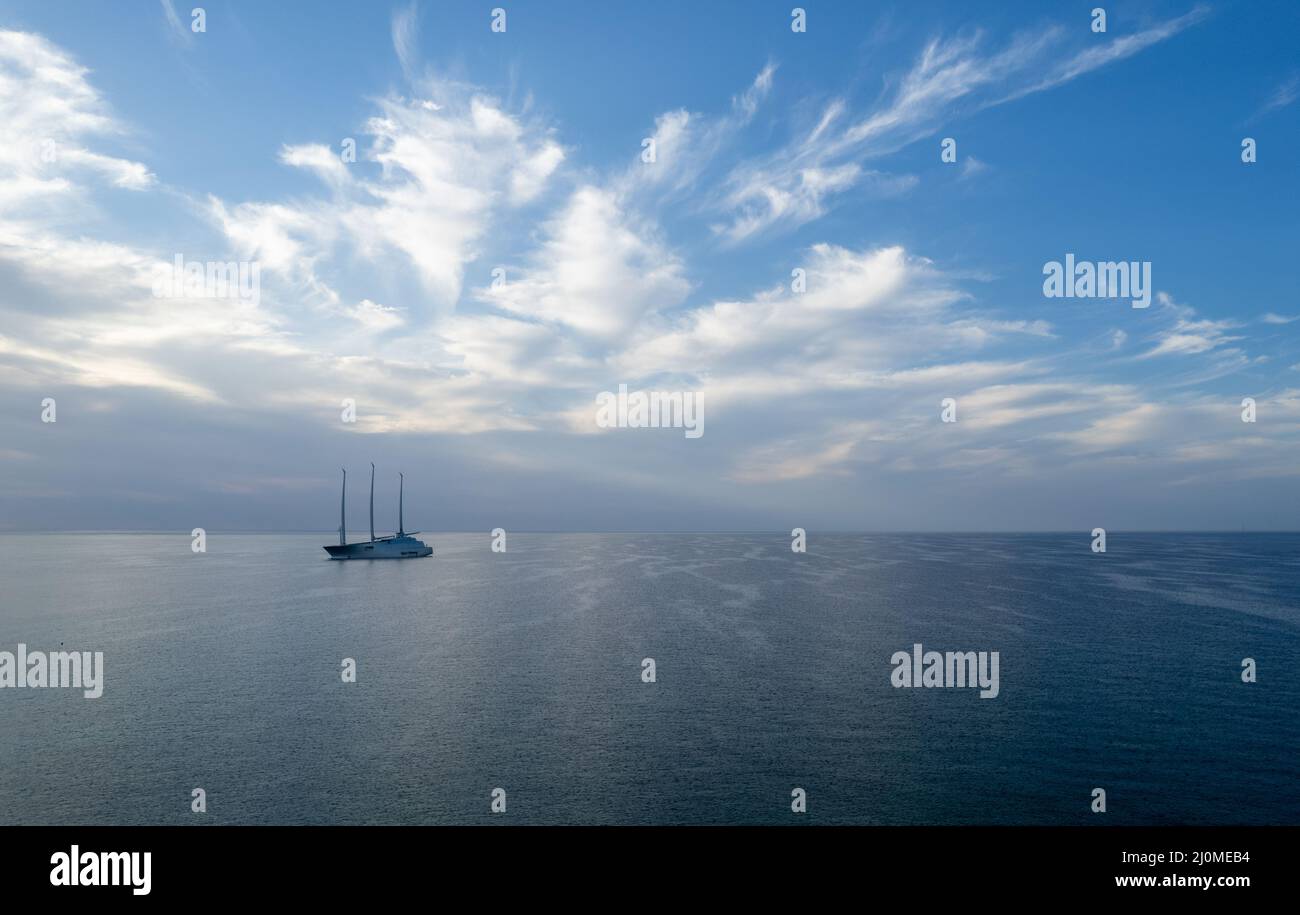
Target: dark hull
column 387, row 548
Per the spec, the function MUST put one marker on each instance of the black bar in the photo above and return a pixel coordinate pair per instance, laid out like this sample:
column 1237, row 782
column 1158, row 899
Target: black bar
column 621, row 865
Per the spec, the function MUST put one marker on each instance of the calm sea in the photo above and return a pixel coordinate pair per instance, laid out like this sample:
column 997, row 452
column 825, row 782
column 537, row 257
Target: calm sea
column 522, row 670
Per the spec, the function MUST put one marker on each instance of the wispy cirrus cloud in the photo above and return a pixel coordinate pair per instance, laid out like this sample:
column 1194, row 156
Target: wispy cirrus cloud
column 1189, row 335
column 1281, row 97
column 444, row 171
column 952, row 77
column 53, row 111
column 1119, row 48
column 179, row 30
column 406, row 36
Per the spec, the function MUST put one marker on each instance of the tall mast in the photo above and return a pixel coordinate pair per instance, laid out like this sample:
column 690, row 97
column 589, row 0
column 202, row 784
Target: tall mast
column 372, row 501
column 343, row 511
column 401, row 484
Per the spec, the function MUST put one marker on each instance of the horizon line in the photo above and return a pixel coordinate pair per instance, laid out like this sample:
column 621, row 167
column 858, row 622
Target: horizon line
column 781, row 531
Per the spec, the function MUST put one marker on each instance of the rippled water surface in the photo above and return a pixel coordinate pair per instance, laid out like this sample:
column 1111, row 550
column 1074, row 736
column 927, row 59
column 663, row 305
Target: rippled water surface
column 523, row 670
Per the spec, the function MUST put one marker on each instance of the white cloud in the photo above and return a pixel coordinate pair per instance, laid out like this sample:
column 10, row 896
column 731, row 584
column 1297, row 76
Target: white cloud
column 406, row 35
column 325, row 162
column 760, row 203
column 687, row 144
column 179, row 29
column 1118, row 48
column 797, row 459
column 1117, row 430
column 1281, row 97
column 445, row 172
column 50, row 111
column 1188, row 336
column 971, row 166
column 795, row 185
column 375, row 317
column 597, row 272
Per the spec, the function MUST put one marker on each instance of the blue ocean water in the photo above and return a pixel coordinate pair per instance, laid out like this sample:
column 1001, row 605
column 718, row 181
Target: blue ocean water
column 522, row 670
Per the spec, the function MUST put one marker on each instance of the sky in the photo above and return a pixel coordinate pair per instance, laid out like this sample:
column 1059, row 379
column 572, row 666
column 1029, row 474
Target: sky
column 458, row 227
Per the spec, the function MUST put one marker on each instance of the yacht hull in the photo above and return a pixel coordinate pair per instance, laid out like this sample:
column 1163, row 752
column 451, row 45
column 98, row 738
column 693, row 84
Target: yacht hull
column 390, row 548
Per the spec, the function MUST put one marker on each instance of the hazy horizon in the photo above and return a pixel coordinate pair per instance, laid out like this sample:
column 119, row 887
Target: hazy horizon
column 362, row 533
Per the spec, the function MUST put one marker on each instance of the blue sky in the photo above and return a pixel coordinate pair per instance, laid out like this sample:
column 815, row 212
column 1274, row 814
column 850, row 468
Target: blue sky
column 775, row 151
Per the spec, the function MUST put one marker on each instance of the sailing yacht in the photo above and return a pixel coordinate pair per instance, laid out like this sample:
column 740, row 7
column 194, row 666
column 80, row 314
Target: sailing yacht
column 401, row 545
